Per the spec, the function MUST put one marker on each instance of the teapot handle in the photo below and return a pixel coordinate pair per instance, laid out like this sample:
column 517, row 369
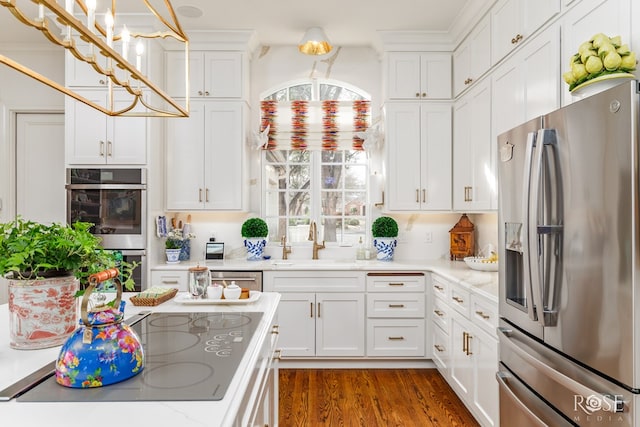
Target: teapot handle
column 95, row 280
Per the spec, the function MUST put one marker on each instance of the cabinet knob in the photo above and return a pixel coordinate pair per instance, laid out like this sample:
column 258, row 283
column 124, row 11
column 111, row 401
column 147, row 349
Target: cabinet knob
column 516, row 39
column 417, row 94
column 424, row 94
column 200, row 92
column 206, row 93
column 468, row 81
column 102, row 82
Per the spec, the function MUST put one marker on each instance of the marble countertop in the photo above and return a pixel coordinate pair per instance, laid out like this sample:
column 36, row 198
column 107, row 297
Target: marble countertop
column 17, row 364
column 481, row 282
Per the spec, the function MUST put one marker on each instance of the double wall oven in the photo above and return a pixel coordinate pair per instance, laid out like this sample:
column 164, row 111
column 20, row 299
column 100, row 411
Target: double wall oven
column 115, row 201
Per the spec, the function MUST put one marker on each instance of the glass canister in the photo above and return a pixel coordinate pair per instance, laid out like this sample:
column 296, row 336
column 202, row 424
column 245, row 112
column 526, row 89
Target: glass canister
column 199, row 280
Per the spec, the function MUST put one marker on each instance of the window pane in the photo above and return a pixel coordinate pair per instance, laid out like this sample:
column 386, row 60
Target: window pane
column 275, row 177
column 355, row 203
column 331, row 156
column 355, row 157
column 300, row 93
column 296, row 156
column 331, row 176
column 331, row 203
column 275, row 203
column 356, row 177
column 299, row 177
column 299, row 203
column 338, row 93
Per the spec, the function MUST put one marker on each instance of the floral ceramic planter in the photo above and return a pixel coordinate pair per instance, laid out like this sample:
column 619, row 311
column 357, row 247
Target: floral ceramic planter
column 385, row 247
column 255, row 247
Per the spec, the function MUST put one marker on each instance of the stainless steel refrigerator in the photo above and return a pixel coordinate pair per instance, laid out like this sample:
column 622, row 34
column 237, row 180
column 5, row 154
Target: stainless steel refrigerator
column 569, row 224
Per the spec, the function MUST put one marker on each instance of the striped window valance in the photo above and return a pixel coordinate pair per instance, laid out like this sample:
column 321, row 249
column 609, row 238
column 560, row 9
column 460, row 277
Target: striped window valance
column 314, row 125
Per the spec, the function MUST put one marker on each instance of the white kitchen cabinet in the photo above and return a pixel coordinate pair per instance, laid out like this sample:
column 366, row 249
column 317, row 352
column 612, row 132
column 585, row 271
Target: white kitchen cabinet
column 474, row 181
column 527, row 84
column 212, row 74
column 396, row 314
column 171, row 279
column 473, row 57
column 465, row 347
column 415, row 75
column 589, row 17
column 204, row 157
column 93, row 138
column 321, row 314
column 514, row 21
column 418, row 150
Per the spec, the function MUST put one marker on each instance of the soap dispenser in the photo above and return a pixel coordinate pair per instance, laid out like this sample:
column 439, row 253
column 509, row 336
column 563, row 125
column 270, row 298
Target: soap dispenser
column 360, row 250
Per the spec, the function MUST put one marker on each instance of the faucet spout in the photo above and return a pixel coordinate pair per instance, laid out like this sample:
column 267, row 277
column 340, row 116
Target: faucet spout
column 313, row 235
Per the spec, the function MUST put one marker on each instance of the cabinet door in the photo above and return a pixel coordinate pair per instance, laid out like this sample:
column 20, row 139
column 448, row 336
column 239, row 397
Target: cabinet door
column 175, row 66
column 404, row 75
column 536, row 14
column 460, row 357
column 440, row 352
column 223, row 156
column 403, row 154
column 223, row 74
column 340, row 324
column 435, row 79
column 184, row 160
column 435, row 156
column 81, row 74
column 85, row 130
column 506, row 27
column 461, row 68
column 126, row 136
column 473, row 58
column 485, row 366
column 473, row 176
column 297, row 318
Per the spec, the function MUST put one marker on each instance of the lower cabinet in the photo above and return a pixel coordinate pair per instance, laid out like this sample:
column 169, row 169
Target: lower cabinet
column 465, row 347
column 170, row 278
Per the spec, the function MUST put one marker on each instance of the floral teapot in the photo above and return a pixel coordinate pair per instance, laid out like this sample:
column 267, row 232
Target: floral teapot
column 102, row 350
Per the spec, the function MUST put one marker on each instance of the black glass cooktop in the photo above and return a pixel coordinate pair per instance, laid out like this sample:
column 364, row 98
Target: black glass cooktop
column 188, row 356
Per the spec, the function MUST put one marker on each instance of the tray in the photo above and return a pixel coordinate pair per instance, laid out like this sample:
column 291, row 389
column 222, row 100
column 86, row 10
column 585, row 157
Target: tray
column 476, row 263
column 187, row 299
column 153, row 301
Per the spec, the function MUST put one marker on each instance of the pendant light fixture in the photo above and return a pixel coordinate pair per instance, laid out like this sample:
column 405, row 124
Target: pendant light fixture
column 315, row 42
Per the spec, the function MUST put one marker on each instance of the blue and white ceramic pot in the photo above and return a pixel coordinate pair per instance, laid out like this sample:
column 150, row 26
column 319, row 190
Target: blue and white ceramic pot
column 385, row 247
column 255, row 247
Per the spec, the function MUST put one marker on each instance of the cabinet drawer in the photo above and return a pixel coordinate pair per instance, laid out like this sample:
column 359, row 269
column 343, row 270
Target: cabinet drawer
column 460, row 299
column 440, row 314
column 484, row 313
column 314, row 281
column 402, row 282
column 440, row 287
column 440, row 349
column 395, row 305
column 174, row 279
column 395, row 337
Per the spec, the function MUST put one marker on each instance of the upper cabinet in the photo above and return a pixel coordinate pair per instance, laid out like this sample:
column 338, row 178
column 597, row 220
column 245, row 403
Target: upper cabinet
column 421, row 76
column 213, row 74
column 513, row 21
column 93, row 138
column 473, row 57
column 419, row 156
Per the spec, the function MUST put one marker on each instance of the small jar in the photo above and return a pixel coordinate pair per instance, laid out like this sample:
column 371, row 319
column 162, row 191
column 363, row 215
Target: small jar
column 232, row 291
column 214, row 291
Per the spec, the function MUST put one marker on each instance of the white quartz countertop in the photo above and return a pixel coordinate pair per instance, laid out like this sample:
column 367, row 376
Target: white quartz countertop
column 480, row 282
column 17, row 364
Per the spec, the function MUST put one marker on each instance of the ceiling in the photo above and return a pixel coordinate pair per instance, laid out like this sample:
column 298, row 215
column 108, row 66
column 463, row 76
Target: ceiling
column 283, row 22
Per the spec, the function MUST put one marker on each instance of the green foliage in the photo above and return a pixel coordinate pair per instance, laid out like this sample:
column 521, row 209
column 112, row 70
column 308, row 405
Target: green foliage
column 173, row 244
column 384, row 226
column 254, row 227
column 30, row 250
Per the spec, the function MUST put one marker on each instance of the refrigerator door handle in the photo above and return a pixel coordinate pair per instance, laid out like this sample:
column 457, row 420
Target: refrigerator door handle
column 609, row 404
column 503, row 379
column 526, row 189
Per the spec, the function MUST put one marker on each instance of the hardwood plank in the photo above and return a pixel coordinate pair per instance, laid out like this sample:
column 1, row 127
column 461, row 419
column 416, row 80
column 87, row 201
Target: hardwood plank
column 369, row 397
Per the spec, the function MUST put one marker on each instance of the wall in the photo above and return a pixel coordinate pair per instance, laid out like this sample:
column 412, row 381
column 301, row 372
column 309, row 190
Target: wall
column 21, row 93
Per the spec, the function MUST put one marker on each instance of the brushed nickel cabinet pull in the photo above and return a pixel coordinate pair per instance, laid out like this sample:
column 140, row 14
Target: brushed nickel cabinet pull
column 395, row 338
column 101, row 148
column 438, row 313
column 275, row 329
column 483, row 315
column 469, row 353
column 109, row 149
column 439, row 347
column 468, row 194
column 396, row 305
column 457, row 299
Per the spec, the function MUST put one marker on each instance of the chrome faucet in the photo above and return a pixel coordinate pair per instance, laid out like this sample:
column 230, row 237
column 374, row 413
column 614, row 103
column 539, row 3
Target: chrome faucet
column 285, row 249
column 313, row 235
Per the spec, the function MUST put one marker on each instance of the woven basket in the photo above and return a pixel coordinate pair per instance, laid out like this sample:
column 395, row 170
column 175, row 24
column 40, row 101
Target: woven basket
column 152, row 301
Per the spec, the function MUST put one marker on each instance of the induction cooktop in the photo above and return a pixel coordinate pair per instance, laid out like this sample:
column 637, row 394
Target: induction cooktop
column 188, row 356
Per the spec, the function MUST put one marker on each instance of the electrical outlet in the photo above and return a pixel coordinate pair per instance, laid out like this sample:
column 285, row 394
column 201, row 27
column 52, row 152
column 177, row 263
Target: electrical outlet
column 428, row 237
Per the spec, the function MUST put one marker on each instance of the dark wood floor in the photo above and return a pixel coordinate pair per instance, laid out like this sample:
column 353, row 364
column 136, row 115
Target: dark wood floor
column 369, row 397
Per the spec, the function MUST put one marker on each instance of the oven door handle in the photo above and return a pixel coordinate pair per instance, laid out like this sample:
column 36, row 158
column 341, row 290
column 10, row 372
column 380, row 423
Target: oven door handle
column 236, row 279
column 567, row 382
column 106, row 186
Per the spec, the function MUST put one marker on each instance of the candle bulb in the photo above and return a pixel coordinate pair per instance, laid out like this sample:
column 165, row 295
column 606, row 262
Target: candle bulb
column 139, row 52
column 126, row 37
column 40, row 12
column 108, row 22
column 91, row 14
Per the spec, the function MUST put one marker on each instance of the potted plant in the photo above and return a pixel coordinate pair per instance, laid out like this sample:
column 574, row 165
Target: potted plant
column 44, row 266
column 385, row 231
column 255, row 232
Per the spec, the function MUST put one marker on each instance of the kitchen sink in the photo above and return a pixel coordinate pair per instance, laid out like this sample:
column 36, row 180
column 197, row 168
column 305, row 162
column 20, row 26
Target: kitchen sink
column 311, row 264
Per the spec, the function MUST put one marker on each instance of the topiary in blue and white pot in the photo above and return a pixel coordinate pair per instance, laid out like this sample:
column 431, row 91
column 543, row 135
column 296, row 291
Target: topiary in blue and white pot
column 255, row 247
column 385, row 247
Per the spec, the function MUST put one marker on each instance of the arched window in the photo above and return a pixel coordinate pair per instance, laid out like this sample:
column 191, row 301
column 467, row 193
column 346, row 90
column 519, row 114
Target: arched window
column 328, row 187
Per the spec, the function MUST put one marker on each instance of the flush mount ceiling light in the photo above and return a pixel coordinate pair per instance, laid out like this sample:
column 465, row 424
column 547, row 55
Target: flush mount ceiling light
column 72, row 25
column 315, row 42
